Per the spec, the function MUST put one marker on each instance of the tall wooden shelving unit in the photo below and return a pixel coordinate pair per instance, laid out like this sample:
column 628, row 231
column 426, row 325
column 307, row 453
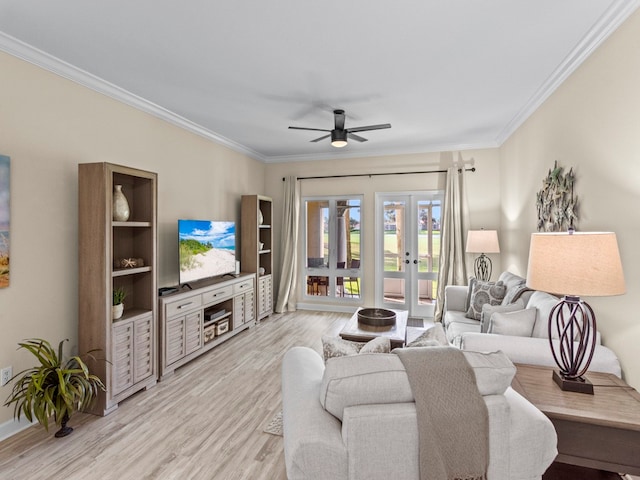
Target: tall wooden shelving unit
column 129, row 344
column 252, row 257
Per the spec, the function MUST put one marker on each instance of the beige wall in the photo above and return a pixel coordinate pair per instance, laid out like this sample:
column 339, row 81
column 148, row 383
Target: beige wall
column 591, row 123
column 482, row 189
column 47, row 126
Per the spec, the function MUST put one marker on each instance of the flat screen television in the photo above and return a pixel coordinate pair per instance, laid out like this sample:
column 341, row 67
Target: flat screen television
column 207, row 249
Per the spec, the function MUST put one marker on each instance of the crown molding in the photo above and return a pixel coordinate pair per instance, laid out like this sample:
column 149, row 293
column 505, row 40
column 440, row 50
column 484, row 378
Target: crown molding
column 37, row 57
column 615, row 15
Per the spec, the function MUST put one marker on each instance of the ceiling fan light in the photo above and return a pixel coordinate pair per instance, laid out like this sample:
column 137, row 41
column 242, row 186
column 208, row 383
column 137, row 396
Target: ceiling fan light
column 339, row 138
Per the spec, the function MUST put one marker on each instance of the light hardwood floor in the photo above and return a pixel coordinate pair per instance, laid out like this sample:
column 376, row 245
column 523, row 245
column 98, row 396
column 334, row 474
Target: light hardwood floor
column 205, row 422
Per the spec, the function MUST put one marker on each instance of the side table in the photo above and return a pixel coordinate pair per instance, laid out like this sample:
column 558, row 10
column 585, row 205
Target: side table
column 600, row 431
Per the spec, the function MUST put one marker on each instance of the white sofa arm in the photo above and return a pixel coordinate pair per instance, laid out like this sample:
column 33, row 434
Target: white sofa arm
column 455, row 298
column 313, row 447
column 534, row 351
column 529, row 428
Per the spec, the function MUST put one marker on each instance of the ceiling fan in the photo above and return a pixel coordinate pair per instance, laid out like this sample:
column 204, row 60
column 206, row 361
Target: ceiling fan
column 340, row 134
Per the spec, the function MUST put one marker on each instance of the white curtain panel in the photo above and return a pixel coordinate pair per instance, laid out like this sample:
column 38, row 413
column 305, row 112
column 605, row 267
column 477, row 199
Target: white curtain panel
column 286, row 301
column 455, row 222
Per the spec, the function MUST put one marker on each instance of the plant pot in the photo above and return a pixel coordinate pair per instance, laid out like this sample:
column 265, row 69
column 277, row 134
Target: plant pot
column 64, row 429
column 117, row 311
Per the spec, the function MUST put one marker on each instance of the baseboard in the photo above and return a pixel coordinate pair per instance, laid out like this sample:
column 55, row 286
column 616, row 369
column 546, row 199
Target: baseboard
column 327, row 308
column 11, row 427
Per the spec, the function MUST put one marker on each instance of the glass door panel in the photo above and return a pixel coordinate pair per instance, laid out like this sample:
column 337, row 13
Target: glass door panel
column 407, row 250
column 428, row 245
column 394, row 252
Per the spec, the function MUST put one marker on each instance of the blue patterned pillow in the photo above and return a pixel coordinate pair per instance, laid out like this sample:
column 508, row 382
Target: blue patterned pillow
column 485, row 292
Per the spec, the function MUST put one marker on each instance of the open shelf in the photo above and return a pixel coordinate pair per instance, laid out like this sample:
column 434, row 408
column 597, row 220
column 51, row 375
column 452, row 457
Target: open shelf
column 121, row 272
column 132, row 314
column 132, row 224
column 216, row 320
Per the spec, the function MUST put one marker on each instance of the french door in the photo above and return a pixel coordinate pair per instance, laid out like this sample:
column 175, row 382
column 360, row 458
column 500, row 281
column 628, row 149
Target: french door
column 407, row 251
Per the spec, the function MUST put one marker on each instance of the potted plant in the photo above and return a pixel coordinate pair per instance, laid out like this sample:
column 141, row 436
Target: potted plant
column 117, row 309
column 54, row 387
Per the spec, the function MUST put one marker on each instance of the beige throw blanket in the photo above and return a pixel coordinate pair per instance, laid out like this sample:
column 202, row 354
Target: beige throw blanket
column 453, row 422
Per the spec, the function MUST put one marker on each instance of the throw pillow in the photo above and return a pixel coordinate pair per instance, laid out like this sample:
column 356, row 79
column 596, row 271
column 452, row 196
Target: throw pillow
column 519, row 324
column 339, row 347
column 514, row 293
column 485, row 292
column 377, row 345
column 488, row 310
column 434, row 337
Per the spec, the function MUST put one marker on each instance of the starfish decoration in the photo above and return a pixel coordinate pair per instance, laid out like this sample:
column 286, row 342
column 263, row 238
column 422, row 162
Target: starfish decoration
column 128, row 262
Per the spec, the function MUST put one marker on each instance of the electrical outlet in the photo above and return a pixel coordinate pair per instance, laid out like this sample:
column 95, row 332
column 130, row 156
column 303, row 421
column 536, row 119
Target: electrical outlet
column 5, row 375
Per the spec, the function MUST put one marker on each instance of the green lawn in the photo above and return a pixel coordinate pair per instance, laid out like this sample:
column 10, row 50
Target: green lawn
column 391, row 251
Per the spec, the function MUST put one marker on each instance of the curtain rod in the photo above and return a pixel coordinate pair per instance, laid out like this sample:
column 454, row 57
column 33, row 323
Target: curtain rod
column 472, row 169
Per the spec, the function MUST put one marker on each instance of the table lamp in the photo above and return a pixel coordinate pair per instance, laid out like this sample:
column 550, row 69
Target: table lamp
column 574, row 264
column 482, row 241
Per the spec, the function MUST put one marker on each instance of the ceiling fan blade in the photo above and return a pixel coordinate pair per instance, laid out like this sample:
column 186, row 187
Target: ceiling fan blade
column 321, row 138
column 313, row 129
column 339, row 119
column 355, row 137
column 369, row 127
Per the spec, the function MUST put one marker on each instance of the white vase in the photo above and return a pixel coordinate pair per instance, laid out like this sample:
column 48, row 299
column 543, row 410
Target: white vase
column 121, row 210
column 117, row 311
column 260, row 217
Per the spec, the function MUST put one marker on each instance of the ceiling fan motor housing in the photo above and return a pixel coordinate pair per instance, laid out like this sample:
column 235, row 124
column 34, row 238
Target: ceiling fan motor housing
column 338, row 138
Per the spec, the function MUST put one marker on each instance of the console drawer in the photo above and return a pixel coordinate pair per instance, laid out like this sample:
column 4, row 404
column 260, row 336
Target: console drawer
column 243, row 286
column 217, row 294
column 183, row 305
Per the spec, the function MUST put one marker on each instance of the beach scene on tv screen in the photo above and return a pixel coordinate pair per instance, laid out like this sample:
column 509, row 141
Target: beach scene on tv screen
column 207, row 249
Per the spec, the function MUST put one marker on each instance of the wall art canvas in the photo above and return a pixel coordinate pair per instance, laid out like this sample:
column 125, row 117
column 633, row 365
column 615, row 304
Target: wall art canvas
column 556, row 203
column 4, row 221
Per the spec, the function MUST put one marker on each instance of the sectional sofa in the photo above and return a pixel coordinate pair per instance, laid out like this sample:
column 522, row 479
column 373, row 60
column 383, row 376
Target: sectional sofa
column 355, row 419
column 521, row 344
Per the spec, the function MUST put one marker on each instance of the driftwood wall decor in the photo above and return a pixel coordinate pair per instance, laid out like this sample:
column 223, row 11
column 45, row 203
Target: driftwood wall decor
column 556, row 202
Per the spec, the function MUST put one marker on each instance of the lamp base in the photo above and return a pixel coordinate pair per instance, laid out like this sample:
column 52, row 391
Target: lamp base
column 579, row 385
column 482, row 268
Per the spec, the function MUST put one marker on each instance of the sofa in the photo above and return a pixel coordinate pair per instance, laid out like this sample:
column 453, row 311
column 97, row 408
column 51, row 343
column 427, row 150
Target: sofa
column 355, row 418
column 529, row 347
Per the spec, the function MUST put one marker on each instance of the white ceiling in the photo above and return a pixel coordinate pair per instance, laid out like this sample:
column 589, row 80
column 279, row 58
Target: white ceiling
column 447, row 74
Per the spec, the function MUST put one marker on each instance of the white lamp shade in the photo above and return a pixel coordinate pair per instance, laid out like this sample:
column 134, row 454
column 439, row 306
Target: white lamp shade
column 482, row 241
column 580, row 264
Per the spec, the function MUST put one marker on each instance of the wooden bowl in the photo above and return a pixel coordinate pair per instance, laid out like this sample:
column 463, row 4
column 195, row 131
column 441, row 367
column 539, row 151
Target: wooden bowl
column 377, row 317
